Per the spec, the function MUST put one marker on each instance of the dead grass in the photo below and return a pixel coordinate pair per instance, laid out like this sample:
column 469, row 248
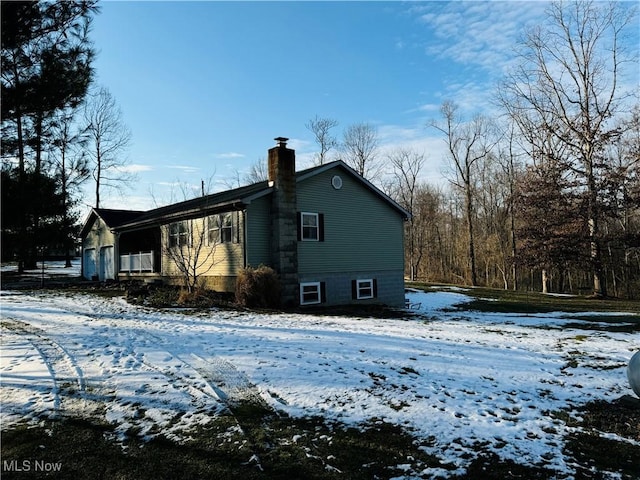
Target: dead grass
column 257, row 443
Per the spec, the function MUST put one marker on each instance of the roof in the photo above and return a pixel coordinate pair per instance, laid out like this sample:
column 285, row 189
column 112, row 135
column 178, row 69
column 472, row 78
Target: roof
column 235, row 199
column 111, row 217
column 216, row 202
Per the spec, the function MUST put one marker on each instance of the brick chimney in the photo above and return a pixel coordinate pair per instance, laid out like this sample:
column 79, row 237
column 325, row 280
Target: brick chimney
column 284, row 233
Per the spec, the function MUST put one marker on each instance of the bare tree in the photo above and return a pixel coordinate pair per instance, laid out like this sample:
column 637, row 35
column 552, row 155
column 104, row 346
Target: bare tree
column 258, row 172
column 108, row 138
column 622, row 207
column 360, row 146
column 508, row 160
column 468, row 144
column 568, row 81
column 321, row 129
column 407, row 165
column 190, row 250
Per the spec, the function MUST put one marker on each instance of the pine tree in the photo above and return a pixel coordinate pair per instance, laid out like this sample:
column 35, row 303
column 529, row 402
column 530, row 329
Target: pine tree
column 46, row 68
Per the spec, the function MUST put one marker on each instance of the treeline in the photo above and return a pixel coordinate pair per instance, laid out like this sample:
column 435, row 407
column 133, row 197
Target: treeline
column 547, row 197
column 59, row 130
column 543, row 196
column 531, row 223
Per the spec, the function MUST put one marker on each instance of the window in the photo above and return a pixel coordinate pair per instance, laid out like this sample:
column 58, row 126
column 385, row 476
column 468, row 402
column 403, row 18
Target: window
column 363, row 289
column 310, row 293
column 226, row 228
column 310, row 227
column 213, row 229
column 178, row 234
column 220, row 228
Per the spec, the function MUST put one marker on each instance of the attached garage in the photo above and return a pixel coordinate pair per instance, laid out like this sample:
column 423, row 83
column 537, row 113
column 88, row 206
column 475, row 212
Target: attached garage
column 99, row 243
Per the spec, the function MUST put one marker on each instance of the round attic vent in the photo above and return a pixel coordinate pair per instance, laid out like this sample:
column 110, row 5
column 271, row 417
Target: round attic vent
column 336, row 181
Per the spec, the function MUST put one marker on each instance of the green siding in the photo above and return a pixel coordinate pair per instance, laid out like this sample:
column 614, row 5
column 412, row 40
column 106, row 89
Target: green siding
column 258, row 222
column 361, row 231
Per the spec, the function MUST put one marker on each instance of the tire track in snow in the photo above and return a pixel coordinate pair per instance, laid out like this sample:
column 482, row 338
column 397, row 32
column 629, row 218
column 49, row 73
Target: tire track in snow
column 231, row 385
column 210, row 375
column 66, row 374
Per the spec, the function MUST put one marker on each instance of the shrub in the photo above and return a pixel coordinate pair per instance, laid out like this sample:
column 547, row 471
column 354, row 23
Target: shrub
column 258, row 287
column 198, row 298
column 162, row 297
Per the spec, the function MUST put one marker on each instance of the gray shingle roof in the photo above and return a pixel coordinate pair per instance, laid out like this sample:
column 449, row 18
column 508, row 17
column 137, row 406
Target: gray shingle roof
column 227, row 200
column 236, row 198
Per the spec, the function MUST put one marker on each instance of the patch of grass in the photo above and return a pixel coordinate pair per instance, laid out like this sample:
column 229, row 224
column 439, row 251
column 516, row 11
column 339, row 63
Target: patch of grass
column 488, row 466
column 607, row 323
column 255, row 442
column 409, row 370
column 509, row 301
column 594, row 454
column 266, row 446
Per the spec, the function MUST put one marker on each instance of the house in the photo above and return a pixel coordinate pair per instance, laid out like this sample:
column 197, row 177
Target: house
column 332, row 236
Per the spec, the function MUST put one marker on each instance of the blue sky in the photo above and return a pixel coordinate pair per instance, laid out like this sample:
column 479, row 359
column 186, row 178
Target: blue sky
column 205, row 86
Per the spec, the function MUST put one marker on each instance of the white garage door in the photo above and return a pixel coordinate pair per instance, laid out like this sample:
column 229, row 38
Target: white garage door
column 107, row 270
column 89, row 263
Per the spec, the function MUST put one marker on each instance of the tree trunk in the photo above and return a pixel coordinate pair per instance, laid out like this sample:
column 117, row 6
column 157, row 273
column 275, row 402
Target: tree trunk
column 98, row 175
column 472, row 251
column 599, row 285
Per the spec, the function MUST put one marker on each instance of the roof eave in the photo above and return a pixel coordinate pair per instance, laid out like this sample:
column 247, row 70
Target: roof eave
column 182, row 215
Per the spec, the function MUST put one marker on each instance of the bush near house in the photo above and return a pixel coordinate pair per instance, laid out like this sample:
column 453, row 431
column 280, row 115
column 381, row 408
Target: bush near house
column 258, row 287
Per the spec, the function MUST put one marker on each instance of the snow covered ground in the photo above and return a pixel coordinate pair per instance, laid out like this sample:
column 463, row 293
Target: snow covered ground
column 456, row 378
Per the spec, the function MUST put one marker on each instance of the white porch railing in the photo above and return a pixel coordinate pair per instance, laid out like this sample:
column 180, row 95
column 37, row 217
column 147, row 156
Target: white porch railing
column 137, row 262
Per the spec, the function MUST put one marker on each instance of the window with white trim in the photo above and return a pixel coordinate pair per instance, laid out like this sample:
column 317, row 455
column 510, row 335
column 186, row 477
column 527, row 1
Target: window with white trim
column 178, row 234
column 226, row 228
column 310, row 226
column 213, row 229
column 220, row 228
column 364, row 289
column 310, row 293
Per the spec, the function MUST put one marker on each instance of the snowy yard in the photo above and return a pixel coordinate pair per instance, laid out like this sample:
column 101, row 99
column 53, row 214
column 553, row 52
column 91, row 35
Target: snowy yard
column 455, row 377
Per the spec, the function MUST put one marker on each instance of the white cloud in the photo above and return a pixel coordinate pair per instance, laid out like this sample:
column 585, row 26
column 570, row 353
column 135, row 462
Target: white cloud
column 134, row 168
column 129, row 202
column 420, row 139
column 299, row 144
column 478, row 37
column 230, row 155
column 483, row 34
column 185, row 168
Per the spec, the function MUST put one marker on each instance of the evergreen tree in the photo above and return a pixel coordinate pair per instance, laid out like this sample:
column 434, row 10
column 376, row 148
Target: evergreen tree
column 551, row 229
column 46, row 68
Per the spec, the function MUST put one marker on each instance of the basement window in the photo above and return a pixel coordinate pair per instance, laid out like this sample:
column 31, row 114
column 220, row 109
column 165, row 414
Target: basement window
column 310, row 293
column 364, row 289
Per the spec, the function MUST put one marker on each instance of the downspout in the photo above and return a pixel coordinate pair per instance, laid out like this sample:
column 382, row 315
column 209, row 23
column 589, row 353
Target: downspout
column 116, row 254
column 245, row 253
